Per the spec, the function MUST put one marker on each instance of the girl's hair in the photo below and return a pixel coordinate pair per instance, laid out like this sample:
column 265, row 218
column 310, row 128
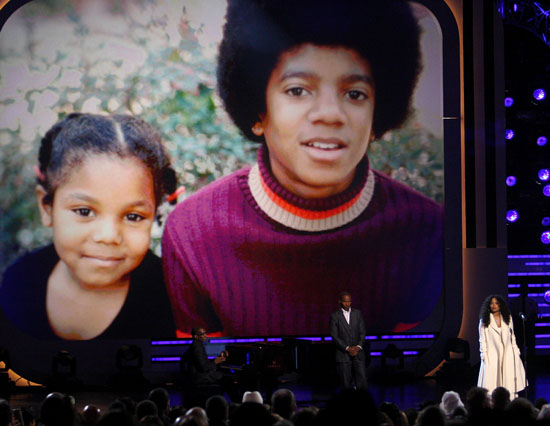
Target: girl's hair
column 484, row 313
column 258, row 32
column 70, row 141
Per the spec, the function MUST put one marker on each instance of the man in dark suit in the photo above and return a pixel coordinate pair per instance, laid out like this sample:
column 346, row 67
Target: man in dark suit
column 347, row 329
column 200, row 369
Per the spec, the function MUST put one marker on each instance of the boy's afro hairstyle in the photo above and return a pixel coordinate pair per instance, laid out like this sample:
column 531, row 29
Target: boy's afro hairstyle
column 257, row 32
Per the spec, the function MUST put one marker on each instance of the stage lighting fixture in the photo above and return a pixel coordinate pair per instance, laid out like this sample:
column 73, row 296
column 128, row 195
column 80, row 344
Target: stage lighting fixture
column 546, row 190
column 541, row 141
column 511, row 180
column 509, row 134
column 544, row 175
column 545, row 237
column 512, row 215
column 545, row 221
column 508, row 102
column 547, row 296
column 539, row 94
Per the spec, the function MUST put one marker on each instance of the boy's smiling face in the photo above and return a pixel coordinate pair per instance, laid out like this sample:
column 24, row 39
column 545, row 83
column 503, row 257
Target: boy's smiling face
column 318, row 120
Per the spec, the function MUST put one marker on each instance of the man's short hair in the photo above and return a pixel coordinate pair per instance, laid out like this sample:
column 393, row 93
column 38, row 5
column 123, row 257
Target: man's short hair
column 343, row 294
column 257, row 32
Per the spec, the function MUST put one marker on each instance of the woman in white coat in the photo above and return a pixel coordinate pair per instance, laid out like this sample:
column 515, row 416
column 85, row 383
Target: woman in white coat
column 500, row 361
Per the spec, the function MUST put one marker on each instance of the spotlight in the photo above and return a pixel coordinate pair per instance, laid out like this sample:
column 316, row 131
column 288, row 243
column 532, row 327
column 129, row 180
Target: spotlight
column 511, row 180
column 512, row 215
column 544, row 174
column 509, row 134
column 546, row 190
column 508, row 102
column 539, row 94
column 547, row 296
column 541, row 141
column 545, row 237
column 545, row 221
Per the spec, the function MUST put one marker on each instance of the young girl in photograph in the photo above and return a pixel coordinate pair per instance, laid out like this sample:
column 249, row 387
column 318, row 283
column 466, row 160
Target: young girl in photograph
column 100, row 181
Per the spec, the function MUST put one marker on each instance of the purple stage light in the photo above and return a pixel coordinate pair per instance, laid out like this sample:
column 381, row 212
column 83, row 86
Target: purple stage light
column 539, row 94
column 546, row 190
column 547, row 296
column 509, row 134
column 544, row 174
column 545, row 221
column 515, row 7
column 545, row 237
column 541, row 141
column 511, row 180
column 508, row 102
column 512, row 215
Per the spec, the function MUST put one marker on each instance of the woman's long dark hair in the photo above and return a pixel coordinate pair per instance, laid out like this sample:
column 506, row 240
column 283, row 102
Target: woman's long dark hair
column 484, row 313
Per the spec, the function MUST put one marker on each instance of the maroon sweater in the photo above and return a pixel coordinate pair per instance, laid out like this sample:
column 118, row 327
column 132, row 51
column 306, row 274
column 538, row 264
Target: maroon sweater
column 231, row 268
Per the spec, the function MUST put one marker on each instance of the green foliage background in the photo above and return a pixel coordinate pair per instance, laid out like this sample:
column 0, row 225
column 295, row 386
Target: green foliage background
column 172, row 88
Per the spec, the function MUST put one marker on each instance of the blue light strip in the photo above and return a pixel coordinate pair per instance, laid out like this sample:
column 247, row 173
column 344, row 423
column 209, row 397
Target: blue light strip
column 328, row 339
column 513, row 294
column 274, row 339
column 537, row 285
column 408, row 336
column 542, row 336
column 514, row 285
column 542, row 304
column 542, row 324
column 376, row 354
column 171, row 342
column 527, row 274
column 537, row 263
column 542, row 346
column 529, row 256
column 371, row 337
column 166, row 359
column 410, row 352
column 313, row 339
column 535, row 294
column 544, row 315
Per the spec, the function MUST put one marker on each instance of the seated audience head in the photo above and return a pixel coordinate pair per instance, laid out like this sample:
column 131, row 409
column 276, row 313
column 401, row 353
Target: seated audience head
column 217, row 409
column 449, row 402
column 539, row 402
column 5, row 413
column 151, row 421
column 283, row 403
column 115, row 417
column 252, row 414
column 90, row 415
column 521, row 412
column 161, row 399
column 57, row 410
column 305, row 416
column 500, row 398
column 146, row 408
column 396, row 416
column 431, row 416
column 253, row 396
column 477, row 400
column 358, row 405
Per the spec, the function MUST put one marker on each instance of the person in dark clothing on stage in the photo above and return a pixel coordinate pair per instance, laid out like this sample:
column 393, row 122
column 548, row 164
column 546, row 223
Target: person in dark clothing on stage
column 347, row 330
column 200, row 369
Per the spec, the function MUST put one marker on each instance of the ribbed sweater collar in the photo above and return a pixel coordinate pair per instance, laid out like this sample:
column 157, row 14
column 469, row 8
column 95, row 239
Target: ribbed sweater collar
column 303, row 214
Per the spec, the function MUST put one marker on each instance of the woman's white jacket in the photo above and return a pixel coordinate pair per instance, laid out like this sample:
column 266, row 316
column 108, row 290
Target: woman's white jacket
column 500, row 361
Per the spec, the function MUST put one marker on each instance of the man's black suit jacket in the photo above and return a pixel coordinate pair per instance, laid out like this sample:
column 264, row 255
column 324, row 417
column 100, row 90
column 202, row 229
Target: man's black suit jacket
column 344, row 334
column 200, row 369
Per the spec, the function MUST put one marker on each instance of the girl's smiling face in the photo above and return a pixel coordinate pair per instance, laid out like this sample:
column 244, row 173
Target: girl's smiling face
column 101, row 216
column 318, row 120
